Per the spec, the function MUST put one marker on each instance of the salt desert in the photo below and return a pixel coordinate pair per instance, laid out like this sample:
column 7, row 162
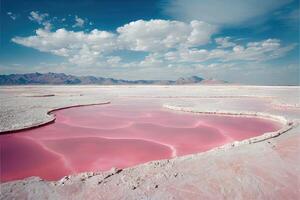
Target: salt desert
column 150, row 100
column 150, row 142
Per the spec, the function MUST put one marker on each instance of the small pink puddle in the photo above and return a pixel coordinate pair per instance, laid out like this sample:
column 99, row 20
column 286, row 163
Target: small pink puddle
column 97, row 138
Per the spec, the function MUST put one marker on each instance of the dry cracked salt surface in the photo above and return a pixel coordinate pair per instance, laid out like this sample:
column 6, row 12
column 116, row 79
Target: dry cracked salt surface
column 266, row 167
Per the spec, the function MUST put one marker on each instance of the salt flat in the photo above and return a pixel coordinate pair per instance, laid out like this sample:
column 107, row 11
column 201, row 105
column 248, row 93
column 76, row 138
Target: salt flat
column 267, row 169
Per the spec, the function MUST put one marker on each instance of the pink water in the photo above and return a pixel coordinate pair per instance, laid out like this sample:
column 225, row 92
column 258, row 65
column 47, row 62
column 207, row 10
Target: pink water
column 97, row 138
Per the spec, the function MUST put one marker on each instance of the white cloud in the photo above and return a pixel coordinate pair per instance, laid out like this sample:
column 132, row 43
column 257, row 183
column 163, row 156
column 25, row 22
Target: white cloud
column 12, row 15
column 259, row 51
column 224, row 42
column 159, row 35
column 193, row 59
column 169, row 43
column 254, row 51
column 40, row 18
column 114, row 60
column 79, row 22
column 152, row 60
column 150, row 36
column 222, row 12
column 78, row 47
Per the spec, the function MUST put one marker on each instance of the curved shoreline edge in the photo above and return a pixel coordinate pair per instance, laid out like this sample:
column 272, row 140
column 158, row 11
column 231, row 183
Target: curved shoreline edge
column 50, row 121
column 287, row 125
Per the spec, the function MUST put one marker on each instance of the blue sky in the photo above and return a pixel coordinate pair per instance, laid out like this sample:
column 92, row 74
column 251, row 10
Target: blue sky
column 244, row 41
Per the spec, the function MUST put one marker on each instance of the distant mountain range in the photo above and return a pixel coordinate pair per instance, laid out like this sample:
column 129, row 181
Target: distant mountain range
column 63, row 79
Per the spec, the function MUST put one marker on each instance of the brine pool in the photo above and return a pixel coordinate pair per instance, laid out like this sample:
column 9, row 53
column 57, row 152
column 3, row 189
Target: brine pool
column 98, row 138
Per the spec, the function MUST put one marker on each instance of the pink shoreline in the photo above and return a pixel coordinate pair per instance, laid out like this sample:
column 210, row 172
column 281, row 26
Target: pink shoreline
column 81, row 142
column 33, row 126
column 286, row 125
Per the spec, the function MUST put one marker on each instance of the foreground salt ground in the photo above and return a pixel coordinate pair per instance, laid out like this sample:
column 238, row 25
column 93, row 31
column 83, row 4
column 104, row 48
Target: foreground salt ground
column 262, row 170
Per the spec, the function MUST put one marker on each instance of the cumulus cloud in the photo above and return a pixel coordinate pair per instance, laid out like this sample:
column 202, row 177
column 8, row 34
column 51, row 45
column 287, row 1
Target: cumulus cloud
column 252, row 51
column 152, row 60
column 159, row 35
column 149, row 36
column 218, row 58
column 79, row 22
column 224, row 42
column 12, row 15
column 168, row 43
column 113, row 60
column 224, row 12
column 78, row 47
column 40, row 18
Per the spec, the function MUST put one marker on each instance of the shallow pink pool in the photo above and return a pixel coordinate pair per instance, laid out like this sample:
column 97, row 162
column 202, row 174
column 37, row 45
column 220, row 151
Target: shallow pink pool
column 97, row 138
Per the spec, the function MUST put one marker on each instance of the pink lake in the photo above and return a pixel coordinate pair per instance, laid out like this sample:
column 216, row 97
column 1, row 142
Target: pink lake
column 97, row 138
